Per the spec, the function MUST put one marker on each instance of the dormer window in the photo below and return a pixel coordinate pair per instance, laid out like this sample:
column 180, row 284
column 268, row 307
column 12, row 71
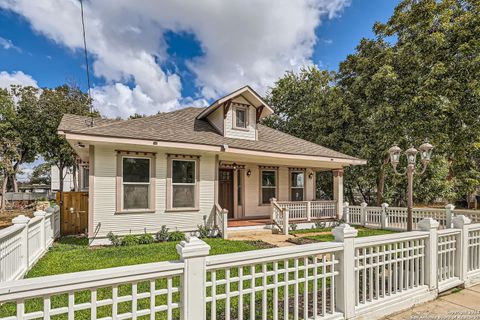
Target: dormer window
column 240, row 117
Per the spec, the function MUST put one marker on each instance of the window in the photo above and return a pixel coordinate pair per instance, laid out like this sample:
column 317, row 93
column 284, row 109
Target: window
column 297, row 184
column 269, row 185
column 183, row 183
column 85, row 177
column 136, row 183
column 240, row 117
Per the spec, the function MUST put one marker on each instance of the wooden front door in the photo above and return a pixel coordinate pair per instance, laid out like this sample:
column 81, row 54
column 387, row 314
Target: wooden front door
column 225, row 190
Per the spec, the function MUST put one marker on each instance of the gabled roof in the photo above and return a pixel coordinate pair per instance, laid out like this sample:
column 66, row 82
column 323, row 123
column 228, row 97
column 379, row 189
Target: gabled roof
column 184, row 126
column 248, row 93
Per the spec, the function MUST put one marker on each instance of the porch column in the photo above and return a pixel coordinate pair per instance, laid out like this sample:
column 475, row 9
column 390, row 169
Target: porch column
column 338, row 191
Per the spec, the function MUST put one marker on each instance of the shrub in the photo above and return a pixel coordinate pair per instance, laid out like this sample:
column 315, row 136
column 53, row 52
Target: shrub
column 320, row 225
column 114, row 239
column 130, row 240
column 293, row 226
column 176, row 236
column 162, row 235
column 204, row 231
column 146, row 238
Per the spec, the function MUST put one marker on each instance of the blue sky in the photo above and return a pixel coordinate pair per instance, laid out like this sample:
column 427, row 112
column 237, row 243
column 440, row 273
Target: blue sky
column 48, row 56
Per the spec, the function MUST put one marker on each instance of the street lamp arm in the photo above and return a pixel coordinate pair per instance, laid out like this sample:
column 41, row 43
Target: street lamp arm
column 425, row 164
column 399, row 173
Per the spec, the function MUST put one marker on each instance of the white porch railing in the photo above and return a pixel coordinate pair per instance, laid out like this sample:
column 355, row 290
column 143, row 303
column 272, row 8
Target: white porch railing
column 22, row 244
column 221, row 220
column 366, row 278
column 302, row 211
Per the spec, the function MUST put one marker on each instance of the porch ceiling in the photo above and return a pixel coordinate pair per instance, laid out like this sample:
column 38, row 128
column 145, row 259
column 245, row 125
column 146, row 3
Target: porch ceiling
column 263, row 160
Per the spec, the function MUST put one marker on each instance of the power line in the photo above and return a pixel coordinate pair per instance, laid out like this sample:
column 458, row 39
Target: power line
column 86, row 62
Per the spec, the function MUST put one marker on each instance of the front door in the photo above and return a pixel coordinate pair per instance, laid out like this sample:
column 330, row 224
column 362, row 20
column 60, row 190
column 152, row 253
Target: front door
column 225, row 190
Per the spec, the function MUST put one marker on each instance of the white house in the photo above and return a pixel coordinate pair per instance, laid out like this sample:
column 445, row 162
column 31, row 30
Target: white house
column 178, row 168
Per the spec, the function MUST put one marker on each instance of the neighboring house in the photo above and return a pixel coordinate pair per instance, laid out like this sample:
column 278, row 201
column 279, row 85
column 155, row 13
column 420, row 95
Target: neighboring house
column 173, row 168
column 69, row 178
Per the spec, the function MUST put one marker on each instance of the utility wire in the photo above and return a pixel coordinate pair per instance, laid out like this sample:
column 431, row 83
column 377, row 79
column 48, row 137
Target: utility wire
column 86, row 62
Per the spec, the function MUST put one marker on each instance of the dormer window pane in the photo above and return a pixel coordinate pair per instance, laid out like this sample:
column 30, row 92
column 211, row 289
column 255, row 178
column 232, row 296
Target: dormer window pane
column 241, row 118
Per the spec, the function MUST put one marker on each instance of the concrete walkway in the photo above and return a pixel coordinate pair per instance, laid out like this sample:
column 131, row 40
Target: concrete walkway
column 278, row 240
column 445, row 307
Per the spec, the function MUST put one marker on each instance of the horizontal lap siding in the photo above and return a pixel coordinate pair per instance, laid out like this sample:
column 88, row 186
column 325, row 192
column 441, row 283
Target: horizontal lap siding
column 104, row 215
column 249, row 134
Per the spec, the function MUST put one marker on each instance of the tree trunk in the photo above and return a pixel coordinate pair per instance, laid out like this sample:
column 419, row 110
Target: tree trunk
column 380, row 186
column 4, row 190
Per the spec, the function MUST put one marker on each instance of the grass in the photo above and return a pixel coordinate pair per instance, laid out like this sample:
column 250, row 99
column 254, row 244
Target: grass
column 362, row 232
column 73, row 254
column 304, row 231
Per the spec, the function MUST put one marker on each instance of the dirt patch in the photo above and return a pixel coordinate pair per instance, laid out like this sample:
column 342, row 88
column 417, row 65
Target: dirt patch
column 7, row 216
column 261, row 244
column 301, row 240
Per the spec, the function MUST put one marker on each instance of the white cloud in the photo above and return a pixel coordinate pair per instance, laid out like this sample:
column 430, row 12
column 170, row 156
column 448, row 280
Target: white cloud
column 7, row 44
column 244, row 43
column 16, row 78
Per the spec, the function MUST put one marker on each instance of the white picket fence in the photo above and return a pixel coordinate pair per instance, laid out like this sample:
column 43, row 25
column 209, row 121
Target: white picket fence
column 22, row 244
column 350, row 278
column 395, row 218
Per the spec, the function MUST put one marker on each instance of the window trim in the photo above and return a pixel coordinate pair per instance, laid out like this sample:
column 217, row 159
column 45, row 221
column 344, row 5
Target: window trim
column 261, row 187
column 169, row 200
column 119, row 179
column 290, row 187
column 234, row 117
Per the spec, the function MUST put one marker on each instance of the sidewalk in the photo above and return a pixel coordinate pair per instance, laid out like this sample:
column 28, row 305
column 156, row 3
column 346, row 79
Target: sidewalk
column 465, row 300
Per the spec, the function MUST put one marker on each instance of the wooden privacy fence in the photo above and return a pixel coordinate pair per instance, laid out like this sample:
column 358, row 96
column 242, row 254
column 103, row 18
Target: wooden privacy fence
column 22, row 244
column 73, row 212
column 364, row 278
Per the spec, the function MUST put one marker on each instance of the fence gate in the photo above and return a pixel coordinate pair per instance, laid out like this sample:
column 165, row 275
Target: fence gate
column 73, row 212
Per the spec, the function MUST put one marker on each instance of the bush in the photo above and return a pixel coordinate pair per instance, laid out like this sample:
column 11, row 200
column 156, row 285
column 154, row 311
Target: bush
column 130, row 240
column 293, row 226
column 146, row 238
column 176, row 236
column 162, row 235
column 114, row 239
column 320, row 225
column 204, row 231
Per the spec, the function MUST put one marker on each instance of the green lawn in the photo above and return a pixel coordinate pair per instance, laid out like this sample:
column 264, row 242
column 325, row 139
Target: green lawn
column 73, row 254
column 362, row 232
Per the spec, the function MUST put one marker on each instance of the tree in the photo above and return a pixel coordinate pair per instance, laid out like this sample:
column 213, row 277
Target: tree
column 41, row 174
column 19, row 111
column 54, row 103
column 425, row 84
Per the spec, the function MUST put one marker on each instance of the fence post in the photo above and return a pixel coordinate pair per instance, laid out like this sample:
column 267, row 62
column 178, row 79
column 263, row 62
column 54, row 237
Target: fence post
column 193, row 252
column 384, row 217
column 461, row 222
column 449, row 215
column 43, row 238
column 286, row 223
column 309, row 211
column 23, row 221
column 346, row 212
column 363, row 213
column 225, row 224
column 431, row 250
column 345, row 296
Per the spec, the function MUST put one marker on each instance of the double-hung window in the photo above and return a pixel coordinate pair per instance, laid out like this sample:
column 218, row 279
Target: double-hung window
column 240, row 120
column 136, row 183
column 297, row 185
column 184, row 183
column 268, row 185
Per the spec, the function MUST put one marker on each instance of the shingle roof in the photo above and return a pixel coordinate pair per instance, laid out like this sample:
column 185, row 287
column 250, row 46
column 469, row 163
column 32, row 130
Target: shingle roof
column 183, row 126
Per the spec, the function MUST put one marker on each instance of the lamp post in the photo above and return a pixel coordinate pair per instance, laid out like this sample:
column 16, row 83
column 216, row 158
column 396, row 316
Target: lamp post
column 411, row 153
